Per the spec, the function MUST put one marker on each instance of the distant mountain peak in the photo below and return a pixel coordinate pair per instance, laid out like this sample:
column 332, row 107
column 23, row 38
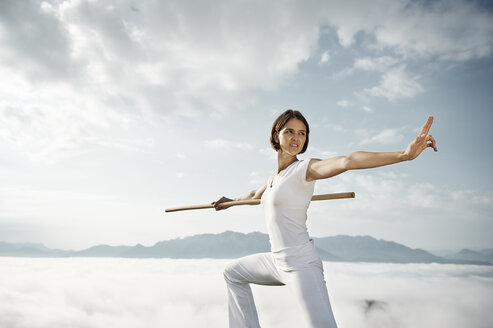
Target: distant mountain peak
column 232, row 244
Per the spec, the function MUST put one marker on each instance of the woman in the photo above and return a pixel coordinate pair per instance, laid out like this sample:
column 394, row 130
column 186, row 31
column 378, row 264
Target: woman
column 285, row 198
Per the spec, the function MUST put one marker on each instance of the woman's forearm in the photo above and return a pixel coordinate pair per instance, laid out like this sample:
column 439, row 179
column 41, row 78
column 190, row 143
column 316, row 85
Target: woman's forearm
column 366, row 160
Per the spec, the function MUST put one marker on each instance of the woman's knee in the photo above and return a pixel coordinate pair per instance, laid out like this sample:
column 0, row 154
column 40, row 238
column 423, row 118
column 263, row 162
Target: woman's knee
column 229, row 273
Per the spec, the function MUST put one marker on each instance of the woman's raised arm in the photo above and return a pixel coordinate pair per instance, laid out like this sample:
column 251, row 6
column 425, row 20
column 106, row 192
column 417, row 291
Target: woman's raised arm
column 322, row 169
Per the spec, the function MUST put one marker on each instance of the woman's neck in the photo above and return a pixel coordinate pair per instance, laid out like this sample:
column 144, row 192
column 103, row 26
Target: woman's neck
column 284, row 160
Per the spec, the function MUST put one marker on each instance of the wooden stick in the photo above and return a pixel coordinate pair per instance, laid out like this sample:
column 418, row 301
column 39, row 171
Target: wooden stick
column 256, row 202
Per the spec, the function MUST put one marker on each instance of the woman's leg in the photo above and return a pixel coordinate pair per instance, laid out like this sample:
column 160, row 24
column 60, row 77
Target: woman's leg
column 258, row 269
column 310, row 289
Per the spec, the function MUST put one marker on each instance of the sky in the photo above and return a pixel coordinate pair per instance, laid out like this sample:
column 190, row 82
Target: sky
column 115, row 292
column 112, row 111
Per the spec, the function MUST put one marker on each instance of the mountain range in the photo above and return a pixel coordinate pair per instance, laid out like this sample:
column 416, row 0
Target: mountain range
column 231, row 244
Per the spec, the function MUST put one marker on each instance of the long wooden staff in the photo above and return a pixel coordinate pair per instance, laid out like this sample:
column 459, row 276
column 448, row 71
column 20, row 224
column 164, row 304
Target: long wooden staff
column 256, row 202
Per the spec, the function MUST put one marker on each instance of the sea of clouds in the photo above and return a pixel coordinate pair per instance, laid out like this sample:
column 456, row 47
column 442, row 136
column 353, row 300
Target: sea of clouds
column 111, row 292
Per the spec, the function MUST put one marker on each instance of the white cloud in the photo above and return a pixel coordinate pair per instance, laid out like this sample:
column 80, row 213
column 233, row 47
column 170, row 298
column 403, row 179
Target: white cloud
column 51, row 123
column 314, row 152
column 192, row 293
column 375, row 64
column 325, row 57
column 450, row 30
column 259, row 178
column 343, row 103
column 35, row 42
column 71, row 71
column 396, row 84
column 71, row 68
column 114, row 292
column 385, row 137
column 166, row 57
column 403, row 292
column 227, row 144
column 326, row 123
column 476, row 198
column 391, row 206
column 409, row 31
column 269, row 153
column 343, row 73
column 24, row 203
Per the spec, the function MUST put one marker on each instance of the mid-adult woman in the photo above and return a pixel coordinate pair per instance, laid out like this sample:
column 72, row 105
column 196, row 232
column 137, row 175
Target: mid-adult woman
column 285, row 198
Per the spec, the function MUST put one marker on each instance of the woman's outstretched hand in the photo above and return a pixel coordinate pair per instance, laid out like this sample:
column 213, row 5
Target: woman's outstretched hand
column 219, row 201
column 422, row 141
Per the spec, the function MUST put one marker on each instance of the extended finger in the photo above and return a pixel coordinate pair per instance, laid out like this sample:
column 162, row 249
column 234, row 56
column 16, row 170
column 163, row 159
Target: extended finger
column 426, row 127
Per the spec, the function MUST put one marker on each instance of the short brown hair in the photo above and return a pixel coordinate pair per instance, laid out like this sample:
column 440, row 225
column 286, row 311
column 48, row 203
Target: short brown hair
column 281, row 121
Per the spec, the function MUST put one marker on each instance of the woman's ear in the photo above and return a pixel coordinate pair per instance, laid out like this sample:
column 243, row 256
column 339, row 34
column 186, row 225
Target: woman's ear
column 276, row 137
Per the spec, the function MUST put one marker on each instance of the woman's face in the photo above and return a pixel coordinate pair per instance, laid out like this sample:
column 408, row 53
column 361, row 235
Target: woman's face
column 292, row 137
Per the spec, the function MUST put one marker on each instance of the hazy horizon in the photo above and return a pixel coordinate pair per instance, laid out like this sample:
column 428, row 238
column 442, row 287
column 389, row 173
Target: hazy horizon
column 181, row 237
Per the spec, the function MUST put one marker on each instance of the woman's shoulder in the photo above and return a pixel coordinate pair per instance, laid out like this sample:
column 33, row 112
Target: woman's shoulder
column 303, row 167
column 308, row 161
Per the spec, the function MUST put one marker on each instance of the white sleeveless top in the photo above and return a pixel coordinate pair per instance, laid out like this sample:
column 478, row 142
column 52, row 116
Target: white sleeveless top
column 285, row 205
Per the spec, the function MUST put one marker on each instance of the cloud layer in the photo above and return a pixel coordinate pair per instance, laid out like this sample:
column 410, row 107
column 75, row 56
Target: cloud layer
column 39, row 293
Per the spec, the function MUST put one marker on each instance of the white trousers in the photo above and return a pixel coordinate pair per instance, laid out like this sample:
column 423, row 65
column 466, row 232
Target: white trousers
column 299, row 268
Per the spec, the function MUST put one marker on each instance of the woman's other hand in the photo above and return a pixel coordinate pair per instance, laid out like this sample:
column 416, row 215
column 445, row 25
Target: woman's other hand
column 220, row 201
